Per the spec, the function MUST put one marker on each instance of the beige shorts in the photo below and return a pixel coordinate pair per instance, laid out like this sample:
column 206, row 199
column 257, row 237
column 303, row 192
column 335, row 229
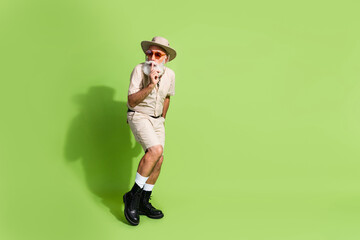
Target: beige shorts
column 148, row 131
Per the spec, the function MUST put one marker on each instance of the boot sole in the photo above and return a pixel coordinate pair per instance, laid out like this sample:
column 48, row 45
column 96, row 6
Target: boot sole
column 151, row 216
column 126, row 216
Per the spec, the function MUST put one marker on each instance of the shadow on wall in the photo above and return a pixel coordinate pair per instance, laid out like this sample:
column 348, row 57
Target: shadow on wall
column 100, row 138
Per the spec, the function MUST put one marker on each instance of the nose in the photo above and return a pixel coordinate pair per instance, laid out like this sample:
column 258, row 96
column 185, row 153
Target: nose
column 153, row 57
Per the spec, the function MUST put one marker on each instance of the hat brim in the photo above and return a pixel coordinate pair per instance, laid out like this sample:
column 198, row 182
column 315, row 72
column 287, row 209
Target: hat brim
column 146, row 44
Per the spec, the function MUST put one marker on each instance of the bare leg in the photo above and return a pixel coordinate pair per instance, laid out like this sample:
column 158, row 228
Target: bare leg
column 149, row 160
column 145, row 207
column 156, row 171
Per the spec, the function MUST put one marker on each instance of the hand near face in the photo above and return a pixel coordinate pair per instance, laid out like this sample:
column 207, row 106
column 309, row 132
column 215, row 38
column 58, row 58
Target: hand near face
column 154, row 74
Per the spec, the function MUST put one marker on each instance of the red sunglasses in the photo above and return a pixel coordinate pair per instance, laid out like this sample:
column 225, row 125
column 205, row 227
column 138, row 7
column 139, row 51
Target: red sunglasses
column 158, row 54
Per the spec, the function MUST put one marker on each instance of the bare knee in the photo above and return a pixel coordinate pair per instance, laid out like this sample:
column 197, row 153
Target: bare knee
column 156, row 152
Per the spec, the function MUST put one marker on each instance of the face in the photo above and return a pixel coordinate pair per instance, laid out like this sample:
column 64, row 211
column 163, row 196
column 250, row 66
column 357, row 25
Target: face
column 158, row 55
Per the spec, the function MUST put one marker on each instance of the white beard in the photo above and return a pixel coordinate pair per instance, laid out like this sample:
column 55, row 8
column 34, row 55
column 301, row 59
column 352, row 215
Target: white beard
column 147, row 67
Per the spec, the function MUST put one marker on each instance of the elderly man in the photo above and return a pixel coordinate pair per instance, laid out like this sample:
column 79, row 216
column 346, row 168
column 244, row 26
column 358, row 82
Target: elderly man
column 151, row 86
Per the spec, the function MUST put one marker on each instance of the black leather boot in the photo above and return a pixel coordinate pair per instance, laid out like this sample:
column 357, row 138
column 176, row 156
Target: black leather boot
column 145, row 207
column 131, row 201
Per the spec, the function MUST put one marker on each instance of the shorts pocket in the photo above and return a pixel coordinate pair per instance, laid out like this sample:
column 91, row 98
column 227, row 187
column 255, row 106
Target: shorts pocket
column 130, row 116
column 162, row 119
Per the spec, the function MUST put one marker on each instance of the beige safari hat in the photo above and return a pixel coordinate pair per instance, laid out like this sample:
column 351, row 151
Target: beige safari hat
column 161, row 42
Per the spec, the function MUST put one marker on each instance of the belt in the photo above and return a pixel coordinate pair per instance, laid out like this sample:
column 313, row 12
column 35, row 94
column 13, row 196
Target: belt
column 129, row 110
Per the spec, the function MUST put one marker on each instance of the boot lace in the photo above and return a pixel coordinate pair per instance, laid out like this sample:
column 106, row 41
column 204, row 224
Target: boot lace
column 148, row 204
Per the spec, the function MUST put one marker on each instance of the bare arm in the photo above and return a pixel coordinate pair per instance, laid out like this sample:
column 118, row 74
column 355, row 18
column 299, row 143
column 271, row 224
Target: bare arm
column 136, row 98
column 166, row 106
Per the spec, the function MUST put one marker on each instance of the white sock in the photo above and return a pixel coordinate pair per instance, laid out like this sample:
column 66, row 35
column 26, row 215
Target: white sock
column 140, row 180
column 148, row 187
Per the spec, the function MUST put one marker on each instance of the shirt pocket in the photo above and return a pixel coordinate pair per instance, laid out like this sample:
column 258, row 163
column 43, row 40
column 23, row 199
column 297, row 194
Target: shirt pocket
column 165, row 91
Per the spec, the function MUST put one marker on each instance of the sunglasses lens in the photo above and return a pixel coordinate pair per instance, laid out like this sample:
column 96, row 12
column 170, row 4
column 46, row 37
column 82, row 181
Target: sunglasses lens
column 150, row 53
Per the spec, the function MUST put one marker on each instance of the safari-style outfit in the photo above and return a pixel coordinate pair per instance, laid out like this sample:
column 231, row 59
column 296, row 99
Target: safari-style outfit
column 147, row 125
column 145, row 119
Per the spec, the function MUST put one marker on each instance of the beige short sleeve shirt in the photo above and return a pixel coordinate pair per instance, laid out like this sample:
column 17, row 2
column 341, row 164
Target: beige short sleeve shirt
column 153, row 104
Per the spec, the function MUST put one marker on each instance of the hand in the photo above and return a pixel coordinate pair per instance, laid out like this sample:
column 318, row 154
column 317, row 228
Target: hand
column 154, row 75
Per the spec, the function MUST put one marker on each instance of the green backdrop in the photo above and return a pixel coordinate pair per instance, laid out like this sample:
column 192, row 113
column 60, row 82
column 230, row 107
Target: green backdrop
column 262, row 134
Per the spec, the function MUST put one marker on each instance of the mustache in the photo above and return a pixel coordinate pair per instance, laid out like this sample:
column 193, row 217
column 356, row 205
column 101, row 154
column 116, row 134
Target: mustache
column 149, row 63
column 147, row 67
